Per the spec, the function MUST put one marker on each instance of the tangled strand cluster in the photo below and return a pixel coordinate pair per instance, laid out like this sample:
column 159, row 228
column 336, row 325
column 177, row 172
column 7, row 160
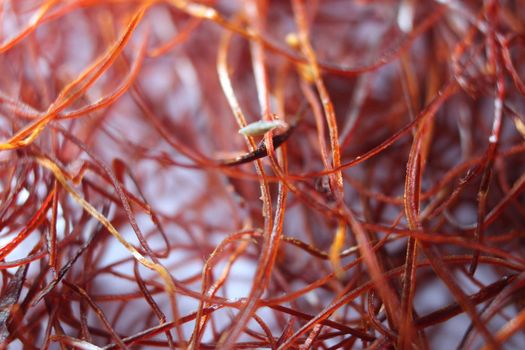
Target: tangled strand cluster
column 373, row 199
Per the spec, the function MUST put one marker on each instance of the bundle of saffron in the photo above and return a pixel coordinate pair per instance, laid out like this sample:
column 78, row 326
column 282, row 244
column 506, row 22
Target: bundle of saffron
column 296, row 174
